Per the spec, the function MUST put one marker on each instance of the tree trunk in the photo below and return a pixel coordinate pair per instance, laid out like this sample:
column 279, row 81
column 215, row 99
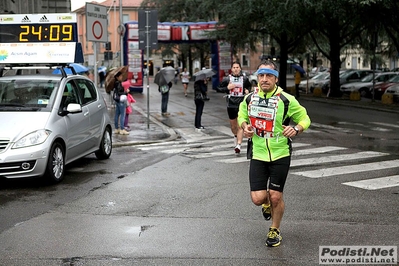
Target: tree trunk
column 335, row 60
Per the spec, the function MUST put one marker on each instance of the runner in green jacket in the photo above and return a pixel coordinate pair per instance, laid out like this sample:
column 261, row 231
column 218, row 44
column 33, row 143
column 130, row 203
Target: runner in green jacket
column 264, row 119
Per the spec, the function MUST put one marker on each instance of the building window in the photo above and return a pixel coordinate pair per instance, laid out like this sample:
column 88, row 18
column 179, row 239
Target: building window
column 125, row 18
column 244, row 60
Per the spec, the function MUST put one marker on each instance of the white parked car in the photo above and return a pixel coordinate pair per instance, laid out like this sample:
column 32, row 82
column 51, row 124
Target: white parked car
column 311, row 82
column 48, row 121
column 317, row 70
column 394, row 89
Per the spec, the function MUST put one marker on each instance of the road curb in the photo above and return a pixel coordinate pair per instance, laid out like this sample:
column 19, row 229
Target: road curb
column 171, row 132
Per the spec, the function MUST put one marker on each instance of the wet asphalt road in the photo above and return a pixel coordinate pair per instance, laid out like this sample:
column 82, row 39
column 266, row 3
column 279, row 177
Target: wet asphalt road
column 151, row 208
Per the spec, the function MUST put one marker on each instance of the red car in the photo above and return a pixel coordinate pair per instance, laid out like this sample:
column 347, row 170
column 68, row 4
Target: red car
column 382, row 87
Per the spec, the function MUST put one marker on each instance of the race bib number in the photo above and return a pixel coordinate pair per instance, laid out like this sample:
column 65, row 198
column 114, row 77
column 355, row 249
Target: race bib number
column 238, row 90
column 262, row 115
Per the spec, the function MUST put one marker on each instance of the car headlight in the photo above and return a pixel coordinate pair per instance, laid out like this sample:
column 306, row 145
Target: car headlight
column 34, row 138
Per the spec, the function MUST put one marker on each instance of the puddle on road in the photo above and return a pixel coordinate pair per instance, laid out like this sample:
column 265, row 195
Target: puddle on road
column 137, row 230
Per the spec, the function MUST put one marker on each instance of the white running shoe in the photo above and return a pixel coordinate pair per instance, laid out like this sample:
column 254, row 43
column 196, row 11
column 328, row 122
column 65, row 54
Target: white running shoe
column 237, row 149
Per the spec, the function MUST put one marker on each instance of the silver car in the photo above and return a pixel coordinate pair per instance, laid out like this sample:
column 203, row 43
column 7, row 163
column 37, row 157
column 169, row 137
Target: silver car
column 48, row 121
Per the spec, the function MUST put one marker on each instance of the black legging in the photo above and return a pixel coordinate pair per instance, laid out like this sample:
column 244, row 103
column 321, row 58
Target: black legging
column 199, row 107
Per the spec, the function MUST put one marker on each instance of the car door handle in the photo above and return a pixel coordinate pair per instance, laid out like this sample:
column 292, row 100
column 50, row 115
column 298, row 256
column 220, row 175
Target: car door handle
column 86, row 114
column 99, row 106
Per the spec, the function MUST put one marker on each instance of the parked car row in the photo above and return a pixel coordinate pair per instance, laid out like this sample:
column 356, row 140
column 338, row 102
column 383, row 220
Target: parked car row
column 345, row 76
column 365, row 85
column 381, row 88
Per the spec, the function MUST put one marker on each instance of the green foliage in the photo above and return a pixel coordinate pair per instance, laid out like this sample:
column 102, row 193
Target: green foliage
column 297, row 26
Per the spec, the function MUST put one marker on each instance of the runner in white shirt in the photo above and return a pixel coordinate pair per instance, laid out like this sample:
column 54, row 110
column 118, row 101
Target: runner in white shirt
column 185, row 79
column 237, row 86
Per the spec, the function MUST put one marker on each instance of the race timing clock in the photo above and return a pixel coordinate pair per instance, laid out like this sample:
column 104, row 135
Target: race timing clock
column 16, row 28
column 38, row 38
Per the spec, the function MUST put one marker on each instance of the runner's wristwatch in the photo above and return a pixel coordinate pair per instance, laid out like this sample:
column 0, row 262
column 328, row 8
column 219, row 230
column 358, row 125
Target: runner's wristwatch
column 297, row 130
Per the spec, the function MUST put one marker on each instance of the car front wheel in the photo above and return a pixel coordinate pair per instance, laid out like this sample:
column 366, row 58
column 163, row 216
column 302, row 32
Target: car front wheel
column 56, row 164
column 105, row 149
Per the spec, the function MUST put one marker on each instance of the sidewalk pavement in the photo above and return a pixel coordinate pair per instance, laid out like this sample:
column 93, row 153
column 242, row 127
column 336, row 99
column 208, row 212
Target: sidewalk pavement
column 147, row 129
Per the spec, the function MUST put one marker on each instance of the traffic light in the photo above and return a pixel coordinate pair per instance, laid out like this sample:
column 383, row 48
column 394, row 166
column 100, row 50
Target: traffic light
column 108, row 46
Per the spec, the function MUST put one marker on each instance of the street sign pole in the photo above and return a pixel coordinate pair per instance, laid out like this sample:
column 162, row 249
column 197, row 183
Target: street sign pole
column 148, row 24
column 95, row 63
column 147, row 33
column 121, row 35
column 96, row 29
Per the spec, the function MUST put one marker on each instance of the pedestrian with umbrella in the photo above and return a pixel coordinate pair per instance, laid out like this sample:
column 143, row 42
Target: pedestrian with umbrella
column 120, row 99
column 164, row 80
column 299, row 71
column 204, row 74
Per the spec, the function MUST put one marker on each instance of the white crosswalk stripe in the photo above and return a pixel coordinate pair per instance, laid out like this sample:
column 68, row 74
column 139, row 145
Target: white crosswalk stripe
column 375, row 183
column 385, row 124
column 200, row 145
column 349, row 169
column 335, row 158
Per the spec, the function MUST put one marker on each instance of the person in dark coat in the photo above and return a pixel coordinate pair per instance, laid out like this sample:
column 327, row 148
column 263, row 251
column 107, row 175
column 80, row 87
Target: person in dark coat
column 120, row 105
column 200, row 95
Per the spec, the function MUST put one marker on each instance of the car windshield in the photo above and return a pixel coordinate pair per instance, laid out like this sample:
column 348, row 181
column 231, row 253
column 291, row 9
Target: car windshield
column 394, row 79
column 324, row 76
column 26, row 94
column 368, row 78
column 345, row 74
column 317, row 76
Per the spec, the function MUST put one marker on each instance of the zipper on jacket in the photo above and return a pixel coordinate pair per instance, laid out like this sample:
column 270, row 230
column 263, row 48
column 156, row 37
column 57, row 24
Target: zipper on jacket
column 268, row 150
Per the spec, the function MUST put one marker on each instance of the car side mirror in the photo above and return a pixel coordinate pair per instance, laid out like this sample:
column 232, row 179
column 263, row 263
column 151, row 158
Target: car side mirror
column 72, row 108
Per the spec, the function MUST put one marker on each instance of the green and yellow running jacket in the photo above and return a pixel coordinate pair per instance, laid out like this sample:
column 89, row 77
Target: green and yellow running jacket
column 267, row 113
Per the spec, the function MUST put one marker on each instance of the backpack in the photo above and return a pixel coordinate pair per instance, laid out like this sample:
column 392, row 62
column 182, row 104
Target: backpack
column 116, row 96
column 164, row 88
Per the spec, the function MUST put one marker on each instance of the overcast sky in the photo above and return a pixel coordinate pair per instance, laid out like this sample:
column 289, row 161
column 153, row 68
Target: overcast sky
column 75, row 4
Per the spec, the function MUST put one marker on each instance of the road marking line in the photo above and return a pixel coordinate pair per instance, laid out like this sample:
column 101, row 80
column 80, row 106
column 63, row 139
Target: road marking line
column 375, row 183
column 385, row 124
column 349, row 169
column 210, row 154
column 336, row 158
column 317, row 150
column 240, row 159
column 298, row 144
column 332, row 127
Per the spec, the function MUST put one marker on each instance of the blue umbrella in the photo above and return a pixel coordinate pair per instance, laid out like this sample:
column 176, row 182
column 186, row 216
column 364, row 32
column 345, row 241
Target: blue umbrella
column 299, row 68
column 78, row 69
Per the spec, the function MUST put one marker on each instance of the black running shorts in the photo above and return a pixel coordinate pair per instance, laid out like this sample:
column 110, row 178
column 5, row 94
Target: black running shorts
column 261, row 171
column 232, row 112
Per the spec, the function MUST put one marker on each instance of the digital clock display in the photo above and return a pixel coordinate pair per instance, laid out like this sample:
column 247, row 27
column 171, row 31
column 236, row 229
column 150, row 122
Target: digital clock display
column 39, row 38
column 26, row 33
